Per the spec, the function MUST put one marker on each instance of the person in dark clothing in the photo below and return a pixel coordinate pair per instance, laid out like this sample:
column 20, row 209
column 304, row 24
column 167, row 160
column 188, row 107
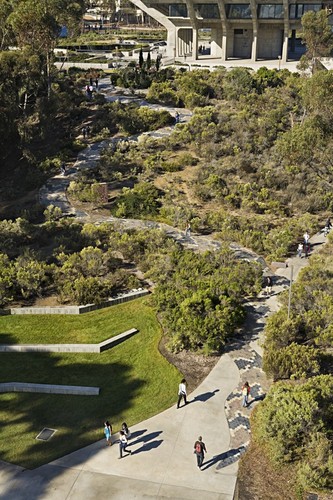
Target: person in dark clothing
column 200, row 450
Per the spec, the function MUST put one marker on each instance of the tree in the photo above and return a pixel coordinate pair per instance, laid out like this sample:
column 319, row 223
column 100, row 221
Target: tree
column 36, row 25
column 148, row 62
column 318, row 37
column 141, row 61
column 293, row 424
column 6, row 279
column 30, row 275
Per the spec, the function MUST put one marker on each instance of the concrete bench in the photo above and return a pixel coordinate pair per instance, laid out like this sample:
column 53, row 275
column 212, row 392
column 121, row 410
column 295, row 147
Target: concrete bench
column 49, row 388
column 92, row 348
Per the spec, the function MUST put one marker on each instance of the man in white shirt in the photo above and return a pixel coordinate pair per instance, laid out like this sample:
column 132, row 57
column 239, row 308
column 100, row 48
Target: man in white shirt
column 182, row 392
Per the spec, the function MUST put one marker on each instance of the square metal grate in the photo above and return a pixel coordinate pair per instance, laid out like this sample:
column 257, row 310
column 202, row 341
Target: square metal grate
column 46, row 434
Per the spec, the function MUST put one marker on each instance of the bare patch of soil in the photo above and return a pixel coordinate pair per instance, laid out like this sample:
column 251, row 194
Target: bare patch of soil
column 51, row 301
column 13, row 208
column 194, row 367
column 258, row 479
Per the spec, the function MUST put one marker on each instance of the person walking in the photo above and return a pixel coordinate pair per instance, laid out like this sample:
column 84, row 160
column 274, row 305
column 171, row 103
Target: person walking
column 123, row 444
column 300, row 250
column 127, row 432
column 188, row 230
column 182, row 392
column 328, row 226
column 108, row 432
column 306, row 238
column 268, row 285
column 245, row 393
column 200, row 450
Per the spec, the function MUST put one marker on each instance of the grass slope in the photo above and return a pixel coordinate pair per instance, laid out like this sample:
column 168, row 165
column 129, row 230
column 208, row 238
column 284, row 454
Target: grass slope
column 136, row 382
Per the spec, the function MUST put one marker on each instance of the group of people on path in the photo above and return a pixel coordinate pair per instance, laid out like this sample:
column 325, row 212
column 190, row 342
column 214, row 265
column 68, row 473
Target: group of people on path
column 91, row 87
column 199, row 446
column 125, row 434
column 304, row 246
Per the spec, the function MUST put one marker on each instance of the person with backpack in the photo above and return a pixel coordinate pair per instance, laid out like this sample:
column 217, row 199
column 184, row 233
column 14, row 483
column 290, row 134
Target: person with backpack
column 200, row 450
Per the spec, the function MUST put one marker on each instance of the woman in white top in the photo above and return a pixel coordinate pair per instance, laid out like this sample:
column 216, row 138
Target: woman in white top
column 182, row 392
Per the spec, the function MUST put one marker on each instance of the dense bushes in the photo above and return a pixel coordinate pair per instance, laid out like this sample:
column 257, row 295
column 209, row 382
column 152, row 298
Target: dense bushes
column 294, row 424
column 294, row 346
column 200, row 297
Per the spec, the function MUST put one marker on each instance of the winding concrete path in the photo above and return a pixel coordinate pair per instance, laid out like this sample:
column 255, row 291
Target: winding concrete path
column 162, row 464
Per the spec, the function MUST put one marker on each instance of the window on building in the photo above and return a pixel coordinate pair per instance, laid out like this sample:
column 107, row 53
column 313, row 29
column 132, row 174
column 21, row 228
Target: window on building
column 296, row 11
column 177, row 10
column 270, row 11
column 238, row 11
column 207, row 10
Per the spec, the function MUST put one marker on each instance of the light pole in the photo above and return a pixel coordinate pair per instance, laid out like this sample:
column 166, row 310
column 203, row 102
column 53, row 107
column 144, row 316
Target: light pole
column 279, row 58
column 290, row 284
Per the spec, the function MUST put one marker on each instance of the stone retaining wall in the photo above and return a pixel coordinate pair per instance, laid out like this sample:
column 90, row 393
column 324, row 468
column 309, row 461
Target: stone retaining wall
column 79, row 309
column 49, row 388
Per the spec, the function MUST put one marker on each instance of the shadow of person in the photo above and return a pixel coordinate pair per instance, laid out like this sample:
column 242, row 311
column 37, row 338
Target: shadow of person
column 147, row 437
column 205, row 396
column 261, row 397
column 136, row 434
column 224, row 459
column 148, row 446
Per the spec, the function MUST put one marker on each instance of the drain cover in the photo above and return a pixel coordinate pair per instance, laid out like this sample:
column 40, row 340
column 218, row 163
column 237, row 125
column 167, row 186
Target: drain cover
column 45, row 434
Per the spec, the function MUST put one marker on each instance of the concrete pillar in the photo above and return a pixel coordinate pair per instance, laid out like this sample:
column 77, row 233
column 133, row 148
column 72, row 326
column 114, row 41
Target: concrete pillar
column 285, row 46
column 172, row 39
column 254, row 47
column 224, row 55
column 216, row 43
column 195, row 45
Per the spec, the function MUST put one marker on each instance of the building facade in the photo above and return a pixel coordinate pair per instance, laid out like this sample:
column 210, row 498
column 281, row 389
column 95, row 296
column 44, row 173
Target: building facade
column 244, row 29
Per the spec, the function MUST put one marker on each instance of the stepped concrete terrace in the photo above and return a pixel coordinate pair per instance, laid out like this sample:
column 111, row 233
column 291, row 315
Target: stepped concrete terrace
column 76, row 390
column 134, row 294
column 93, row 348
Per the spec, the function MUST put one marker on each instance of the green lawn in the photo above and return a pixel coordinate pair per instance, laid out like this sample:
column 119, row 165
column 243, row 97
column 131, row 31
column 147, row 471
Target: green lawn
column 136, row 382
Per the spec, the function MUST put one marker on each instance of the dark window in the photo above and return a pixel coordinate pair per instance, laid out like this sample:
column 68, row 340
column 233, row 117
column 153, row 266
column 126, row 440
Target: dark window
column 238, row 11
column 177, row 10
column 207, row 10
column 270, row 11
column 296, row 11
column 238, row 31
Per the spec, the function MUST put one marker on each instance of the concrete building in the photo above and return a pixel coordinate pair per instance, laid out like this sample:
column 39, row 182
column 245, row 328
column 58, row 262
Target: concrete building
column 243, row 29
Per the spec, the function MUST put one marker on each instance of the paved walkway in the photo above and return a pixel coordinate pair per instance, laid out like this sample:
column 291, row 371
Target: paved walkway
column 162, row 464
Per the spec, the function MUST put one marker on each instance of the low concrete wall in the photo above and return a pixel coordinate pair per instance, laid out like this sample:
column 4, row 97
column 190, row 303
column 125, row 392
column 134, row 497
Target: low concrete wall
column 80, row 309
column 81, row 65
column 92, row 348
column 49, row 388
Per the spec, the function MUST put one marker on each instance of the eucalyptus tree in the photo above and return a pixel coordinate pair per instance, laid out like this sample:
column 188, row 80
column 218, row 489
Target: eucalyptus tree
column 36, row 26
column 318, row 37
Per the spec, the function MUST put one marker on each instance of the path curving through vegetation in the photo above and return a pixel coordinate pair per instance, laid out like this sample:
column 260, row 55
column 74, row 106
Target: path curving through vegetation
column 245, row 352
